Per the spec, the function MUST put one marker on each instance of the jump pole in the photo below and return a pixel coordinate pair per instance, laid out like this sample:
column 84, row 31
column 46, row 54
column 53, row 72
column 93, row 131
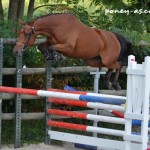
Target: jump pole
column 68, row 88
column 85, row 128
column 86, row 104
column 92, row 117
column 86, row 116
column 43, row 93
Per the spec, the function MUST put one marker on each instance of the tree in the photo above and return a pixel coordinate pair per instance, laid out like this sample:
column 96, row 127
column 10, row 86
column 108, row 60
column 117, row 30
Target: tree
column 30, row 8
column 13, row 9
column 1, row 11
column 16, row 9
column 20, row 11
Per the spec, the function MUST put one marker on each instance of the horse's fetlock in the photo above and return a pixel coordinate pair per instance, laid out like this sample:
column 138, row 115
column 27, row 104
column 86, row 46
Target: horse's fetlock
column 108, row 84
column 116, row 86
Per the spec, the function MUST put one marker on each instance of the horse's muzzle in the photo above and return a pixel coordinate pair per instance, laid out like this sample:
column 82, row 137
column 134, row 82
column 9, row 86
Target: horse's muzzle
column 18, row 49
column 15, row 51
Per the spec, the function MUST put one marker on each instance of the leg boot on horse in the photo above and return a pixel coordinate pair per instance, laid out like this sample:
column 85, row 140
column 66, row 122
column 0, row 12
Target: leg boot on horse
column 47, row 53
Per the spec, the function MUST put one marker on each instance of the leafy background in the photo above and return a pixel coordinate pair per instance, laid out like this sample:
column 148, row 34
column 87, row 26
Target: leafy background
column 135, row 27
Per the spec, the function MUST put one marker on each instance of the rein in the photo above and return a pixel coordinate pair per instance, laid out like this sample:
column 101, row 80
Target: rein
column 28, row 36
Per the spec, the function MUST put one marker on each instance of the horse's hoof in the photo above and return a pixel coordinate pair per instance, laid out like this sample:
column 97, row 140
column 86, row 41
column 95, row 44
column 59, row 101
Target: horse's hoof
column 57, row 57
column 116, row 86
column 108, row 85
column 48, row 56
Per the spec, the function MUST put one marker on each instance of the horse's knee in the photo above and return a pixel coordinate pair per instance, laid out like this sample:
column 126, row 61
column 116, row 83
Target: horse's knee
column 40, row 46
column 43, row 47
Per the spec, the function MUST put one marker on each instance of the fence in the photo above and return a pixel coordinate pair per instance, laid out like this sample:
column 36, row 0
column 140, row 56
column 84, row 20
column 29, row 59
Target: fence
column 137, row 108
column 19, row 71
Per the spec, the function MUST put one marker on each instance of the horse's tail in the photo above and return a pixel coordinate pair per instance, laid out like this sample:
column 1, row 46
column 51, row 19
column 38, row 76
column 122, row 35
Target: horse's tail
column 129, row 48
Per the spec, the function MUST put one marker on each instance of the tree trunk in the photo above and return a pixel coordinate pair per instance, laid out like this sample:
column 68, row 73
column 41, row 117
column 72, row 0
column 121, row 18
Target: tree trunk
column 13, row 9
column 30, row 8
column 20, row 8
column 1, row 11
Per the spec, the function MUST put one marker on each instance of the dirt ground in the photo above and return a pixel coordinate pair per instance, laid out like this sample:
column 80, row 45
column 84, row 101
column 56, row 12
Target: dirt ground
column 42, row 146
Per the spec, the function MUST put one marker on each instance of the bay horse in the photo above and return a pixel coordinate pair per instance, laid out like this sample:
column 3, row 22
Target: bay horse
column 70, row 37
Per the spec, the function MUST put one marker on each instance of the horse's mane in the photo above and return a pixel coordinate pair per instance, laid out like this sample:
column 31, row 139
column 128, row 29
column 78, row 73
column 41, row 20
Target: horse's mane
column 50, row 14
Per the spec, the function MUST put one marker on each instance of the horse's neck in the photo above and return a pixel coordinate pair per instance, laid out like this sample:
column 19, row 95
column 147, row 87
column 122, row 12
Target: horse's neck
column 40, row 30
column 53, row 24
column 44, row 26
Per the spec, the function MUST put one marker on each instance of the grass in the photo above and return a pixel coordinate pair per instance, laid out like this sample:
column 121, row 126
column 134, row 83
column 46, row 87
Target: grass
column 33, row 131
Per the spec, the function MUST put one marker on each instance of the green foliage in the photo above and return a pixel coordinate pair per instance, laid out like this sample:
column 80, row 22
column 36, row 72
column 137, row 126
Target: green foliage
column 32, row 58
column 145, row 37
column 81, row 13
column 44, row 1
column 8, row 58
column 131, row 21
column 7, row 30
column 72, row 1
column 33, row 131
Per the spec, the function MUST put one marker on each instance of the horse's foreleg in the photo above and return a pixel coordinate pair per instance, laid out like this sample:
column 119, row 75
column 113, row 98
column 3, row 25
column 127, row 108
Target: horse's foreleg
column 43, row 47
column 107, row 82
column 115, row 83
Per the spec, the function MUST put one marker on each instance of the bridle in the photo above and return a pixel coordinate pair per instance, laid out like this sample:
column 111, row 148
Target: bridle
column 27, row 36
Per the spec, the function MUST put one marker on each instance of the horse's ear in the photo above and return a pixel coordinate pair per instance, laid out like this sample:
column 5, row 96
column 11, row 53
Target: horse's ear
column 21, row 22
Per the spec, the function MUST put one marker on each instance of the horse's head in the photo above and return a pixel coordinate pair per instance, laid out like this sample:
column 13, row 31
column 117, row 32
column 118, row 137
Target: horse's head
column 26, row 38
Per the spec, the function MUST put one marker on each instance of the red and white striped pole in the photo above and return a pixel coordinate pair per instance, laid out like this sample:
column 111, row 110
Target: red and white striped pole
column 85, row 128
column 86, row 116
column 65, row 95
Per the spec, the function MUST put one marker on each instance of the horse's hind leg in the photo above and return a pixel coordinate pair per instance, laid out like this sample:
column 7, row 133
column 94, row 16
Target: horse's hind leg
column 118, row 66
column 107, row 82
column 115, row 83
column 94, row 62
